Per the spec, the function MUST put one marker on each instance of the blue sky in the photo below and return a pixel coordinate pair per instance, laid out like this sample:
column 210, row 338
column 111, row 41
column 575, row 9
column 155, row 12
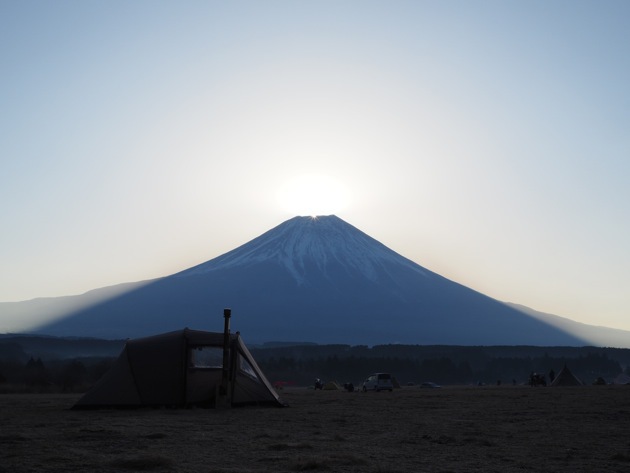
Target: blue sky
column 487, row 141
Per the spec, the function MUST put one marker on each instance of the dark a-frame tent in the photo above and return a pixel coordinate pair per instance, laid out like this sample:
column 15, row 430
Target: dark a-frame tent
column 182, row 368
column 566, row 378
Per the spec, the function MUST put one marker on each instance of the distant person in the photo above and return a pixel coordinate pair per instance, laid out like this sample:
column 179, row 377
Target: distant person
column 552, row 375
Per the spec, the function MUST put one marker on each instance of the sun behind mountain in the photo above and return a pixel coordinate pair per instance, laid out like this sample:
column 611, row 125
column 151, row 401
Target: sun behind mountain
column 313, row 195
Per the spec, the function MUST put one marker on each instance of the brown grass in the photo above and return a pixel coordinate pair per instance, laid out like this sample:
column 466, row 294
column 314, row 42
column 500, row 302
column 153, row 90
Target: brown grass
column 501, row 429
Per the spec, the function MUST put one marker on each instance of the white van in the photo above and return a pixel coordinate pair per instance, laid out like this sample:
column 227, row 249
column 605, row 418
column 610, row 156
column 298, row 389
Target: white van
column 378, row 382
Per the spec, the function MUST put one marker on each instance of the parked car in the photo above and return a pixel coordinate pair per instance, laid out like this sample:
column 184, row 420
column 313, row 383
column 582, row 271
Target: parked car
column 378, row 382
column 429, row 385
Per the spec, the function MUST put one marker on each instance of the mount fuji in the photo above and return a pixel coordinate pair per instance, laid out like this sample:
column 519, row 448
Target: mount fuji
column 310, row 279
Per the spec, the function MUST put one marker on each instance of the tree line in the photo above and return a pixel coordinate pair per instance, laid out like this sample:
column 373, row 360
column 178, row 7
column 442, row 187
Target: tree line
column 37, row 375
column 23, row 369
column 442, row 365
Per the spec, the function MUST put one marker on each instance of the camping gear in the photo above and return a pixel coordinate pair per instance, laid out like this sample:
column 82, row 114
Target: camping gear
column 183, row 368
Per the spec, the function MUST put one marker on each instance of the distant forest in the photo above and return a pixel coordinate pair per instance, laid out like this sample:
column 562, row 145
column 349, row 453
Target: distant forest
column 51, row 364
column 47, row 364
column 413, row 364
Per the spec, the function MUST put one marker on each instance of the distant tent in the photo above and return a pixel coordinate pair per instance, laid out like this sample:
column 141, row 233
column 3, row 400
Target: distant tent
column 332, row 386
column 566, row 378
column 623, row 378
column 181, row 368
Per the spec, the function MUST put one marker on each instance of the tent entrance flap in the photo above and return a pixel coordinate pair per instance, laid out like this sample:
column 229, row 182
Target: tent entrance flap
column 205, row 364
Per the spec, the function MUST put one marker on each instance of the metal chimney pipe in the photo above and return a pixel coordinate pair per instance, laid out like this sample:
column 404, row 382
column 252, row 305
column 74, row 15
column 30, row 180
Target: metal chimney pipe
column 227, row 313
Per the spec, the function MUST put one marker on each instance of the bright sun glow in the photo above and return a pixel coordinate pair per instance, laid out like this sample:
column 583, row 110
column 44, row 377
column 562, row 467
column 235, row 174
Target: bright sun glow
column 312, row 195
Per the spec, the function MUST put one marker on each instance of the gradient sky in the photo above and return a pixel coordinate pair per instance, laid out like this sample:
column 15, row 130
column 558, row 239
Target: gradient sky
column 488, row 141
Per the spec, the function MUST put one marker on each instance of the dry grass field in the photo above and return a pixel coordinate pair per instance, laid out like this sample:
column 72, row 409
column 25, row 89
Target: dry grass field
column 490, row 428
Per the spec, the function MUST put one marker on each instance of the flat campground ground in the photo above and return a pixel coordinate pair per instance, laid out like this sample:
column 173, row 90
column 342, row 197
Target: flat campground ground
column 451, row 429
